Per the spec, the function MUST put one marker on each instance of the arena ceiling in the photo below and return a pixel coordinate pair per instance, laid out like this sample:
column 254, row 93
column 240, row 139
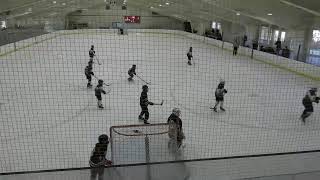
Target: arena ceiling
column 285, row 13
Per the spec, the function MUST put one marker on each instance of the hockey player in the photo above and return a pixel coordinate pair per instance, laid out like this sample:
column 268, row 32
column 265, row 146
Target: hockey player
column 132, row 72
column 92, row 53
column 189, row 55
column 220, row 92
column 88, row 72
column 98, row 91
column 90, row 62
column 98, row 158
column 236, row 43
column 144, row 102
column 175, row 128
column 309, row 98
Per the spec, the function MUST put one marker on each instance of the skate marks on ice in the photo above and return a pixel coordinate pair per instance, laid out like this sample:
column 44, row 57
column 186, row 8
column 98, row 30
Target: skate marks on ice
column 253, row 95
column 202, row 110
column 61, row 124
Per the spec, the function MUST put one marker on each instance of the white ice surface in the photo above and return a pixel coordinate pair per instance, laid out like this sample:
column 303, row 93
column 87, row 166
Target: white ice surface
column 49, row 120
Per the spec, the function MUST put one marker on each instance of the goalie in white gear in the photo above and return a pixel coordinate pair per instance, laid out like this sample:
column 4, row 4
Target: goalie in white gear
column 176, row 134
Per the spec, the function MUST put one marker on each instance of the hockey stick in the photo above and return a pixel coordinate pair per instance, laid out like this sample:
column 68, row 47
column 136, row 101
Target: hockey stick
column 108, row 92
column 159, row 104
column 98, row 60
column 143, row 80
column 103, row 83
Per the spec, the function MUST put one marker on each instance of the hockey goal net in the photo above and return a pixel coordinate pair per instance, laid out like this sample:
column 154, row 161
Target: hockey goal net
column 133, row 144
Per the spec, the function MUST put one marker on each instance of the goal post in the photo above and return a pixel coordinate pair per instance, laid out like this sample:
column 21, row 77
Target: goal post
column 132, row 144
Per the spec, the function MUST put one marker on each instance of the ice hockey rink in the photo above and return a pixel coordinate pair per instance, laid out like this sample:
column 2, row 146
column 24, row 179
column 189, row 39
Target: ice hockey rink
column 50, row 120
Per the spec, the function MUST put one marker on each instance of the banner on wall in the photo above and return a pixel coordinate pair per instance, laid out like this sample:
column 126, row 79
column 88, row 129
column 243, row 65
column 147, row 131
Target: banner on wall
column 132, row 19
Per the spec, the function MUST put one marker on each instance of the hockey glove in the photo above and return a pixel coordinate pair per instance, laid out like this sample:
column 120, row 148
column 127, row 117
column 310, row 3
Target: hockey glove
column 108, row 162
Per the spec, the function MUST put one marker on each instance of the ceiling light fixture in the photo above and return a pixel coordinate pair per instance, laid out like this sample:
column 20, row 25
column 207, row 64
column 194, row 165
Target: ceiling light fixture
column 54, row 2
column 151, row 7
column 160, row 5
column 63, row 4
column 238, row 14
column 53, row 14
column 167, row 3
column 269, row 14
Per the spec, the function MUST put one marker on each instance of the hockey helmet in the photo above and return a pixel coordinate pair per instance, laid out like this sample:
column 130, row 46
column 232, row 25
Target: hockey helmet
column 103, row 138
column 145, row 87
column 133, row 65
column 176, row 111
column 314, row 89
column 92, row 46
column 100, row 81
column 222, row 81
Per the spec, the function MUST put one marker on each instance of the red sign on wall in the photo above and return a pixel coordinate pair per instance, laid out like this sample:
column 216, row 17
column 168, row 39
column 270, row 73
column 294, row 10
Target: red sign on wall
column 132, row 19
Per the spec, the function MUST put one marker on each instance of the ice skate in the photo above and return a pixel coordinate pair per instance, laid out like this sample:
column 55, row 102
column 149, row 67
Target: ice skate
column 189, row 63
column 181, row 146
column 222, row 109
column 141, row 118
column 214, row 109
column 89, row 85
column 100, row 107
column 146, row 122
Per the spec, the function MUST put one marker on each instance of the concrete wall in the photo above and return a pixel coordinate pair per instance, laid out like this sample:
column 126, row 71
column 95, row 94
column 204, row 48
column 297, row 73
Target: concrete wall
column 201, row 26
column 98, row 18
column 49, row 23
column 294, row 39
column 307, row 39
column 27, row 27
column 231, row 30
column 13, row 35
column 20, row 29
column 252, row 32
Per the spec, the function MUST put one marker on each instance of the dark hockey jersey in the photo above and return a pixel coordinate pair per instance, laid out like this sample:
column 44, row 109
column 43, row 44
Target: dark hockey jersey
column 132, row 71
column 92, row 53
column 98, row 155
column 98, row 90
column 175, row 119
column 88, row 71
column 189, row 54
column 144, row 99
column 310, row 97
column 220, row 91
